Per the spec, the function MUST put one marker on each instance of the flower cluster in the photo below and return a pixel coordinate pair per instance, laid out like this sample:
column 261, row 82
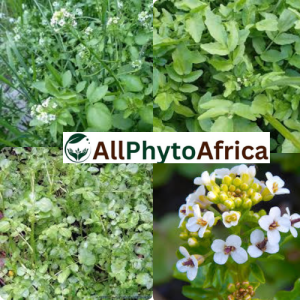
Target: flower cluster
column 61, row 18
column 42, row 112
column 113, row 21
column 233, row 192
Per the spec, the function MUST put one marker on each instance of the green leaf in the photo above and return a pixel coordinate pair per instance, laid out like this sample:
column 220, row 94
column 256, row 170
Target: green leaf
column 216, row 103
column 294, row 3
column 132, row 83
column 188, row 88
column 121, row 123
column 182, row 60
column 233, row 38
column 67, row 79
column 99, row 117
column 244, row 111
column 76, row 138
column 41, row 86
column 222, row 124
column 273, row 56
column 267, row 25
column 97, row 94
column 261, row 105
column 221, row 64
column 214, row 112
column 183, row 110
column 86, row 257
column 286, row 38
column 215, row 48
column 210, row 275
column 4, row 226
column 63, row 276
column 215, row 27
column 80, row 86
column 164, row 100
column 291, row 295
column 44, row 205
column 192, row 76
column 120, row 104
column 257, row 272
column 195, row 26
column 146, row 114
column 287, row 20
column 288, row 146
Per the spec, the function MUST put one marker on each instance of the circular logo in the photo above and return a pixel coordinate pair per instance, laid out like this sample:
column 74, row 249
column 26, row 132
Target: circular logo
column 78, row 148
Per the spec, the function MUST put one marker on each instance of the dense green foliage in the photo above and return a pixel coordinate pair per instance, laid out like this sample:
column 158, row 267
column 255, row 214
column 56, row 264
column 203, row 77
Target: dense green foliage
column 78, row 65
column 228, row 66
column 71, row 231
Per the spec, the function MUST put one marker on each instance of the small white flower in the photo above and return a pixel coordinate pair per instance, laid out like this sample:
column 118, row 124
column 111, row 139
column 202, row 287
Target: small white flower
column 188, row 264
column 275, row 185
column 143, row 16
column 120, row 4
column 54, row 105
column 61, row 23
column 295, row 222
column 205, row 179
column 74, row 23
column 17, row 37
column 11, row 20
column 232, row 247
column 88, row 30
column 185, row 210
column 136, row 64
column 260, row 244
column 231, row 218
column 55, row 4
column 2, row 15
column 237, row 170
column 79, row 12
column 52, row 117
column 199, row 223
column 273, row 224
column 198, row 197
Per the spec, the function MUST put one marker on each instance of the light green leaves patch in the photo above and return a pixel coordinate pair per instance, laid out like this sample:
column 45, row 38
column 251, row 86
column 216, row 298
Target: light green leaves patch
column 44, row 205
column 132, row 83
column 86, row 257
column 195, row 26
column 215, row 27
column 99, row 117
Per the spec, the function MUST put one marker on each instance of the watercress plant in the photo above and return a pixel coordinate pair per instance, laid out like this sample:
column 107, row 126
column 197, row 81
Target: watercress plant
column 73, row 231
column 228, row 66
column 78, row 65
column 225, row 264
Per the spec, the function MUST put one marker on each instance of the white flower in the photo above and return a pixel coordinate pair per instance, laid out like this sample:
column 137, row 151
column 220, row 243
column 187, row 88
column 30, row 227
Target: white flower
column 143, row 16
column 199, row 223
column 275, row 185
column 11, row 20
column 79, row 12
column 88, row 30
column 120, row 4
column 273, row 223
column 113, row 20
column 184, row 211
column 232, row 247
column 260, row 244
column 188, row 264
column 2, row 15
column 231, row 218
column 205, row 178
column 52, row 117
column 17, row 37
column 74, row 23
column 295, row 222
column 136, row 64
column 237, row 170
column 55, row 4
column 61, row 23
column 198, row 197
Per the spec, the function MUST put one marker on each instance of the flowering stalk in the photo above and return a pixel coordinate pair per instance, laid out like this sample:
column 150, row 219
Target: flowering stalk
column 227, row 196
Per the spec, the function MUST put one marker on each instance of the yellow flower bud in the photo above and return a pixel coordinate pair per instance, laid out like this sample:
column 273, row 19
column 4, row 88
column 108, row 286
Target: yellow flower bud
column 223, row 196
column 11, row 273
column 227, row 180
column 193, row 234
column 231, row 188
column 229, row 204
column 184, row 235
column 238, row 202
column 247, row 203
column 200, row 259
column 231, row 287
column 256, row 186
column 250, row 192
column 244, row 186
column 256, row 198
column 193, row 242
column 262, row 212
column 224, row 187
column 237, row 181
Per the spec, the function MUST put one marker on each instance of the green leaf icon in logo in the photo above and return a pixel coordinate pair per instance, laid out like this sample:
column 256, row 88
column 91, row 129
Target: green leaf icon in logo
column 77, row 154
column 76, row 138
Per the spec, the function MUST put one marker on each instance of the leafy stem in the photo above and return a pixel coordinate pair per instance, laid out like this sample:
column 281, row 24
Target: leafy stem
column 282, row 130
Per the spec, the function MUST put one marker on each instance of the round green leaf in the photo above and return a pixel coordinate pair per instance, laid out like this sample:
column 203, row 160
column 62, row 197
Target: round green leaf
column 99, row 117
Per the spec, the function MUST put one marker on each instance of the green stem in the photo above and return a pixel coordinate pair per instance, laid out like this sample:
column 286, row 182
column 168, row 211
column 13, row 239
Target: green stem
column 214, row 210
column 282, row 130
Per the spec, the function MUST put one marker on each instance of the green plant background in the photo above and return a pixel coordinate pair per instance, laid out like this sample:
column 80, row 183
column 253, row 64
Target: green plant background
column 173, row 182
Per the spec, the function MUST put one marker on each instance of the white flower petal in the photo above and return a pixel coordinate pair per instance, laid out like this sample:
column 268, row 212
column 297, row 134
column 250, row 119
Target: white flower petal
column 234, row 240
column 294, row 232
column 180, row 267
column 285, row 224
column 272, row 248
column 197, row 211
column 218, row 245
column 202, row 231
column 257, row 236
column 200, row 190
column 288, row 211
column 243, row 169
column 205, row 178
column 273, row 236
column 220, row 258
column 221, row 173
column 198, row 181
column 279, row 181
column 240, row 255
column 192, row 273
column 265, row 221
column 184, row 252
column 269, row 175
column 181, row 221
column 254, row 251
column 209, row 217
column 182, row 207
column 252, row 171
column 192, row 227
column 282, row 191
column 275, row 212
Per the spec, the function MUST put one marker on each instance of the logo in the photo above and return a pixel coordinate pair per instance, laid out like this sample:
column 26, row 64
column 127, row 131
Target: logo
column 78, row 148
